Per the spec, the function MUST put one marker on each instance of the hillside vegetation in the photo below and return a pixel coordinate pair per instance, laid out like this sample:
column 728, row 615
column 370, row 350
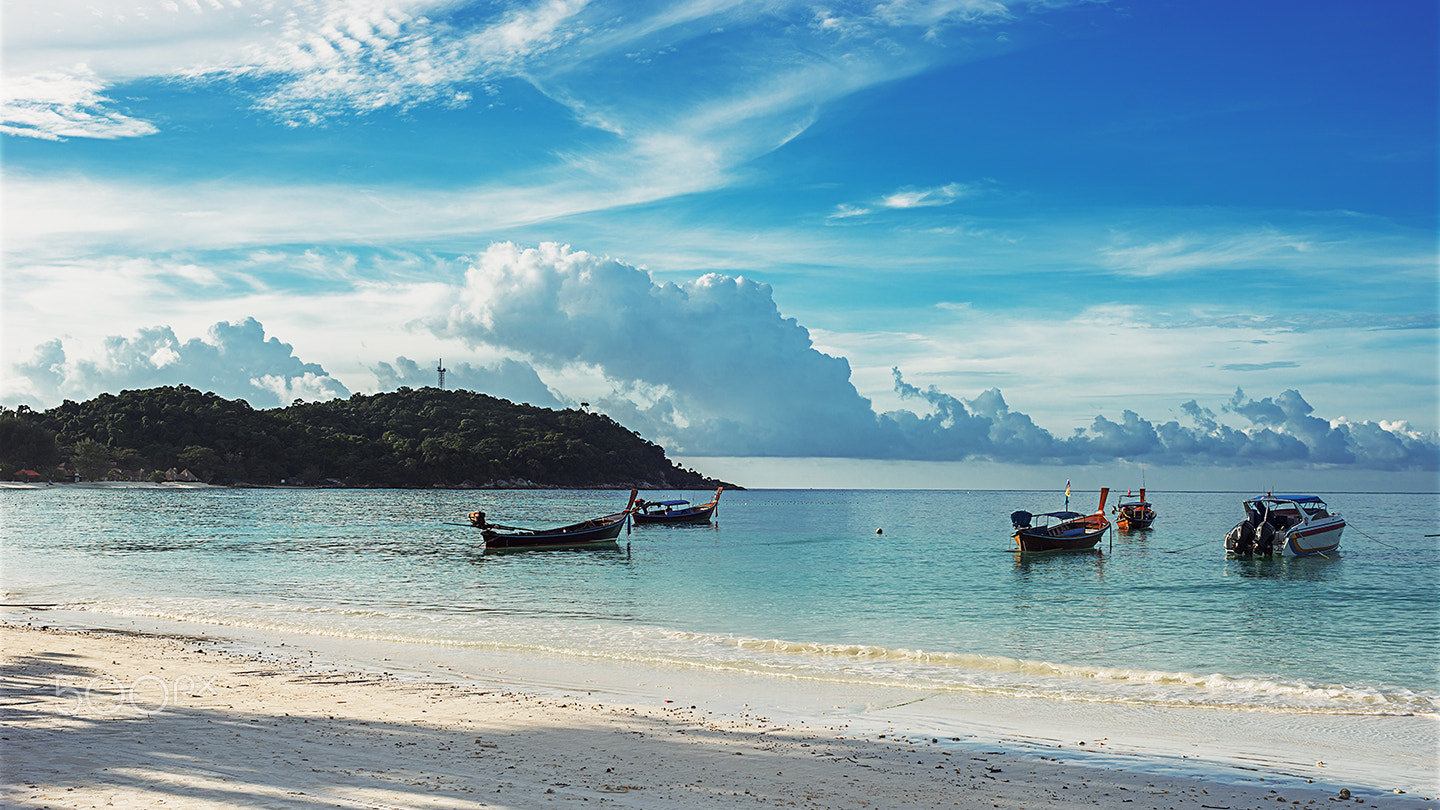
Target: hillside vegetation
column 426, row 437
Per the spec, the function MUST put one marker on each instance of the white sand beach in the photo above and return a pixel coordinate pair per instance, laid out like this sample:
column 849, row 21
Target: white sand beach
column 100, row 718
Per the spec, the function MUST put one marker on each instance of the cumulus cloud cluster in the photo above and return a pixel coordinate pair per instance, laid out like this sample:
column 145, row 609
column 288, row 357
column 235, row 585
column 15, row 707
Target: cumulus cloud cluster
column 710, row 366
column 510, row 379
column 235, row 361
column 1280, row 429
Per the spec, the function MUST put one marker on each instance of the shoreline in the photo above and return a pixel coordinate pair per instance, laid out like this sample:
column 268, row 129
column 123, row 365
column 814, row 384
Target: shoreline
column 505, row 486
column 615, row 487
column 196, row 707
column 108, row 485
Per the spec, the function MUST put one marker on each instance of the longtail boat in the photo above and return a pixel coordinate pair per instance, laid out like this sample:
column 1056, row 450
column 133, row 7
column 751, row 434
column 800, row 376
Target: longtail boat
column 1133, row 513
column 675, row 511
column 1060, row 531
column 595, row 532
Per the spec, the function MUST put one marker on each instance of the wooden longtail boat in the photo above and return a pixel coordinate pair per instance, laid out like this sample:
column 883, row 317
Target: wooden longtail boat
column 1060, row 531
column 596, row 532
column 1134, row 513
column 675, row 511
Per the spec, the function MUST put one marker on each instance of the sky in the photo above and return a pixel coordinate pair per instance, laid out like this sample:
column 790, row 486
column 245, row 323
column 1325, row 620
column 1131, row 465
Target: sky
column 957, row 243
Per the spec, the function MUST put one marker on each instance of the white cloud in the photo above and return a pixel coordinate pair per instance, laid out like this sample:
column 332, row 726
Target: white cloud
column 847, row 211
column 924, row 197
column 235, row 361
column 1192, row 252
column 711, row 367
column 58, row 105
column 307, row 386
column 509, row 379
column 715, row 352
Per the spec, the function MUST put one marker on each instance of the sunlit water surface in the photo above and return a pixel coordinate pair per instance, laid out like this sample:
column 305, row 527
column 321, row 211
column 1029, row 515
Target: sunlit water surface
column 786, row 583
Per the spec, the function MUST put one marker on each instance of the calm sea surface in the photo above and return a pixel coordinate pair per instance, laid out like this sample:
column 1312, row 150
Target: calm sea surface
column 791, row 583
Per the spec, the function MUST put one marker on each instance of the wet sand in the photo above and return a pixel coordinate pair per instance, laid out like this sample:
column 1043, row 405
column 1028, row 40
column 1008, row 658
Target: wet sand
column 112, row 719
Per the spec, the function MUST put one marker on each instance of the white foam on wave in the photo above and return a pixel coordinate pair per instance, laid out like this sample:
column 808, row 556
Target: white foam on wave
column 839, row 663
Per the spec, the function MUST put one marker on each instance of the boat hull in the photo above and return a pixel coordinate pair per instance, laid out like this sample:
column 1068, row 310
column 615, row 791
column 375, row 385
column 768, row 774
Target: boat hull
column 664, row 514
column 1134, row 513
column 1068, row 538
column 1073, row 532
column 700, row 514
column 592, row 533
column 1290, row 525
column 1306, row 541
column 1127, row 521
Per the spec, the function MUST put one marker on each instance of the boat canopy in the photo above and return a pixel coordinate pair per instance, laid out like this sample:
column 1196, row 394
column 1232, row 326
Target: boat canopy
column 1062, row 515
column 1295, row 498
column 667, row 503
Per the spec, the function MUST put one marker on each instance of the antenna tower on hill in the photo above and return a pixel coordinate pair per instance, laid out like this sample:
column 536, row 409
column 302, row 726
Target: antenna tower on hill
column 440, row 369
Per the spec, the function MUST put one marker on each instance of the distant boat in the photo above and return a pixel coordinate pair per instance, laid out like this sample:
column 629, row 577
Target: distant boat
column 1060, row 531
column 675, row 511
column 1135, row 513
column 596, row 532
column 1294, row 525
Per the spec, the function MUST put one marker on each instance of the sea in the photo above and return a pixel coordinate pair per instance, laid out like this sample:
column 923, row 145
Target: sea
column 914, row 592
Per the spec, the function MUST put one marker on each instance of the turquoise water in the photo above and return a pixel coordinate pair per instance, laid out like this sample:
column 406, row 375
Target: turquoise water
column 794, row 584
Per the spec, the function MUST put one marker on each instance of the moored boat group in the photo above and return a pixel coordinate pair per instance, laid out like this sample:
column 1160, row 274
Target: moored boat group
column 597, row 532
column 1289, row 525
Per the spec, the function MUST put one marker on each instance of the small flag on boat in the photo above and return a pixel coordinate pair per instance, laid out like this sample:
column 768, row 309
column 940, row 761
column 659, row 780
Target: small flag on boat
column 1067, row 487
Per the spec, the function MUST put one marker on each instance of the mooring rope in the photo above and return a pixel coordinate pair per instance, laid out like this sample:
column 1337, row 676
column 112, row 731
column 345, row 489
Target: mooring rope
column 1187, row 548
column 1381, row 542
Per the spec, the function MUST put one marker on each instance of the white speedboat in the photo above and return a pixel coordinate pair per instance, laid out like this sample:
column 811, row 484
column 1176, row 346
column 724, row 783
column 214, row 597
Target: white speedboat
column 1293, row 525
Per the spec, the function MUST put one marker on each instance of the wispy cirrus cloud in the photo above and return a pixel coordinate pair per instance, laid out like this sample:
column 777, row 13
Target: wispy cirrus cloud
column 1271, row 366
column 308, row 62
column 57, row 105
column 924, row 197
column 1193, row 252
column 360, row 57
column 909, row 197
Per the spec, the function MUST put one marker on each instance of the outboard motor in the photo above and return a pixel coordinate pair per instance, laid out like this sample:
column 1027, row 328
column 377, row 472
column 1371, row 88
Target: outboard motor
column 1265, row 539
column 1020, row 520
column 1241, row 539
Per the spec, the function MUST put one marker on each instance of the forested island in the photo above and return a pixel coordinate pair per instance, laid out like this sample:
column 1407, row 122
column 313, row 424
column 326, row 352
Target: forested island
column 408, row 438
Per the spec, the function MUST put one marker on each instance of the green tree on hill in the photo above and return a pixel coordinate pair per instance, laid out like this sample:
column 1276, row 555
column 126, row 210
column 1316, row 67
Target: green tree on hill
column 409, row 437
column 92, row 460
column 24, row 443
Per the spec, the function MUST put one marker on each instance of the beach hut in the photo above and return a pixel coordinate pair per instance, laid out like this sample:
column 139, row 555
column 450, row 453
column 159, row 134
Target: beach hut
column 28, row 475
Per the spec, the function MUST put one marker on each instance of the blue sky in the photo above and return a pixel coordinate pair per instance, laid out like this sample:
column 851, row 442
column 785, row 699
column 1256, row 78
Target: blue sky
column 934, row 242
